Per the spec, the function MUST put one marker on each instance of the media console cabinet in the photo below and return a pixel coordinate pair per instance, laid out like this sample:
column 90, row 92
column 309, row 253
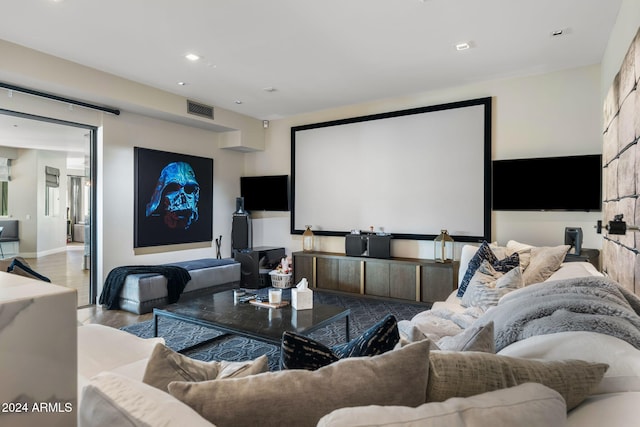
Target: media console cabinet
column 421, row 280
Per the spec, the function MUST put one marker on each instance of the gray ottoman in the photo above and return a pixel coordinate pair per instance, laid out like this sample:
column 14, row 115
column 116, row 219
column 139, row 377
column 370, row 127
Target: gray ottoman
column 142, row 293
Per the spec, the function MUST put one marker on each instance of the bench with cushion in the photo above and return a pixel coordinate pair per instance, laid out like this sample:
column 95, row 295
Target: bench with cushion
column 142, row 293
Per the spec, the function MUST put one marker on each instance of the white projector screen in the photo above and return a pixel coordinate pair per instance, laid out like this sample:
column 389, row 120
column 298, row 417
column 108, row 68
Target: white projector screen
column 410, row 173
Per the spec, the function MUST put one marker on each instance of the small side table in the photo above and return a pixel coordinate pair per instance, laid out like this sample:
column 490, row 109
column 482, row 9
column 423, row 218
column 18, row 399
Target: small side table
column 586, row 255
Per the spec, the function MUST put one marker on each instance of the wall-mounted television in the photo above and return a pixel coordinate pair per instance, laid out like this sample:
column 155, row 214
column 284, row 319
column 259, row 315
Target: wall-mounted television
column 265, row 193
column 569, row 183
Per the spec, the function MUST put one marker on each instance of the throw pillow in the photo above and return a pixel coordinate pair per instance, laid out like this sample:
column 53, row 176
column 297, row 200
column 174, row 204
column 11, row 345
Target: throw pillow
column 114, row 400
column 507, row 264
column 300, row 397
column 378, row 339
column 529, row 404
column 463, row 374
column 475, row 338
column 484, row 252
column 23, row 269
column 300, row 352
column 487, row 286
column 544, row 262
column 523, row 249
column 166, row 365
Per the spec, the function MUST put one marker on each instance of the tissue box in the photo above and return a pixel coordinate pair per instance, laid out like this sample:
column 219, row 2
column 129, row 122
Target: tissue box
column 301, row 300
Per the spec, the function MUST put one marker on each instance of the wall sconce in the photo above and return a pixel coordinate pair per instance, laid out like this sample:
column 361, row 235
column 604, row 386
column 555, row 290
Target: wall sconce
column 617, row 226
column 443, row 247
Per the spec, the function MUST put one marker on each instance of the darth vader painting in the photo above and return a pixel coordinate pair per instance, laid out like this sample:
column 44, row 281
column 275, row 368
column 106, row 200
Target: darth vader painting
column 174, row 194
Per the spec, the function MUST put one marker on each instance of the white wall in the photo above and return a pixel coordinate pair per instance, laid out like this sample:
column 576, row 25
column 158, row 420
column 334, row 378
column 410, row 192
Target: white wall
column 52, row 229
column 545, row 115
column 22, row 201
column 39, row 234
column 120, row 135
column 173, row 130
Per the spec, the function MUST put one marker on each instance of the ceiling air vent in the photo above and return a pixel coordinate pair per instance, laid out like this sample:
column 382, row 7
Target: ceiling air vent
column 199, row 109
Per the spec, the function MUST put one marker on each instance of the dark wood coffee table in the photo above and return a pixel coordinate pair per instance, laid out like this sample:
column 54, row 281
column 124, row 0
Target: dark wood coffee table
column 219, row 311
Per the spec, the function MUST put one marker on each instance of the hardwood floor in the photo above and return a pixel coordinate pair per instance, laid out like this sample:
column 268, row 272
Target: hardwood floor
column 113, row 318
column 65, row 269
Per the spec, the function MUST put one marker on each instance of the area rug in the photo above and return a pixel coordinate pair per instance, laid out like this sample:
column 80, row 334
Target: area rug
column 364, row 313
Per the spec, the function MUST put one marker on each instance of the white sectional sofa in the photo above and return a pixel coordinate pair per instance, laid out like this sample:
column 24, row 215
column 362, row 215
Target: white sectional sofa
column 396, row 387
column 116, row 393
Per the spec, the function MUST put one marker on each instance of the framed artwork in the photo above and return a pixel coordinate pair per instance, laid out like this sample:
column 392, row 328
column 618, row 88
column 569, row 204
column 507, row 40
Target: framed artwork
column 173, row 198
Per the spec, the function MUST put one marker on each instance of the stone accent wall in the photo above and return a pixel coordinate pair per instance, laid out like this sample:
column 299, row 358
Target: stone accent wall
column 621, row 164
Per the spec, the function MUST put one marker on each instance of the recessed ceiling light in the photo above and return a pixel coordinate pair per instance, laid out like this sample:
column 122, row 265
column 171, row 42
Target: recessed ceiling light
column 557, row 33
column 269, row 89
column 237, row 101
column 182, row 83
column 192, row 56
column 463, row 46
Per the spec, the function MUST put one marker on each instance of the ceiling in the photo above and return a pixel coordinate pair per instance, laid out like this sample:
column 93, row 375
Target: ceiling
column 278, row 58
column 20, row 132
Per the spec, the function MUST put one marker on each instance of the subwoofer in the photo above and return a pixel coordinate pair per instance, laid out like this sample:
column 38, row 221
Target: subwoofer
column 249, row 268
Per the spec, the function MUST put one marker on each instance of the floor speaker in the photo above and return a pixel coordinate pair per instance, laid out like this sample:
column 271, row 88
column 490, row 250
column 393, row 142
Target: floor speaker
column 249, row 268
column 241, row 232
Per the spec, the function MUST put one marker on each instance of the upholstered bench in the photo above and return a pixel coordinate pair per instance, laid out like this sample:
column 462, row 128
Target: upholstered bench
column 142, row 293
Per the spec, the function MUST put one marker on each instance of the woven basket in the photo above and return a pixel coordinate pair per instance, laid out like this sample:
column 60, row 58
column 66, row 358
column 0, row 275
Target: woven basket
column 280, row 280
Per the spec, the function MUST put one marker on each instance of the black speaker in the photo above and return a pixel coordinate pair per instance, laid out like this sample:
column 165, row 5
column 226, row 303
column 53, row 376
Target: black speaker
column 573, row 237
column 249, row 268
column 239, row 205
column 241, row 232
column 355, row 245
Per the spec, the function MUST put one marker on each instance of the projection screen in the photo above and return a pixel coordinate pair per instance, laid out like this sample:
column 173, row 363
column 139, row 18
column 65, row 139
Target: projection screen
column 409, row 173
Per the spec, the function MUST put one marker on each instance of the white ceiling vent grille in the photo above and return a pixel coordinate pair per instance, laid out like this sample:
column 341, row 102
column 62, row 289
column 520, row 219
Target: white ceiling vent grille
column 199, row 109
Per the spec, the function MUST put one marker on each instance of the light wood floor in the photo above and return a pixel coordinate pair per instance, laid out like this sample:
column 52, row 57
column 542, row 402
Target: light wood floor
column 65, row 269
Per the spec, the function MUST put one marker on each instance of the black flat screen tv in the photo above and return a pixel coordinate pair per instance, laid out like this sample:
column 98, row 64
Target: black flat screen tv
column 265, row 193
column 569, row 183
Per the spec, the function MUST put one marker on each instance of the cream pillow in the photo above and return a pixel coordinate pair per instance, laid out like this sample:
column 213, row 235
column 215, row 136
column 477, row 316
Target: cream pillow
column 300, row 397
column 475, row 338
column 463, row 374
column 623, row 358
column 544, row 262
column 166, row 365
column 487, row 285
column 533, row 405
column 114, row 400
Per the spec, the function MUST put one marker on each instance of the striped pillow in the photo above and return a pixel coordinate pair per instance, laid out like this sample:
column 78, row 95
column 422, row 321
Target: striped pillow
column 488, row 285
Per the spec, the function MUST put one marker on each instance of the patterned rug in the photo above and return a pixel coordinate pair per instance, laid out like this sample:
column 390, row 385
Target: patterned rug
column 365, row 312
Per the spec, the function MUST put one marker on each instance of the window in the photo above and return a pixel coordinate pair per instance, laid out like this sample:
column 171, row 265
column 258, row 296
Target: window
column 52, row 193
column 4, row 198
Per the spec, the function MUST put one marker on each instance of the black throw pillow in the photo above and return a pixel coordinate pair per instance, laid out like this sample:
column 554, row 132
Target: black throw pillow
column 300, row 352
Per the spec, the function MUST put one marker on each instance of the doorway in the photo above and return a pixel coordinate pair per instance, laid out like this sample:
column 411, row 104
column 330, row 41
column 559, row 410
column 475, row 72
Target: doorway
column 51, row 193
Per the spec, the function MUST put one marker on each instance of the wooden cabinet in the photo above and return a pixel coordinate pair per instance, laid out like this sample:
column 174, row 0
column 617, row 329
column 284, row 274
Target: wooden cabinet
column 436, row 281
column 401, row 278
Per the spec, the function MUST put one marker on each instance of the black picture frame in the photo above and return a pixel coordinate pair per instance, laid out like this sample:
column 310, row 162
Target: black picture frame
column 173, row 198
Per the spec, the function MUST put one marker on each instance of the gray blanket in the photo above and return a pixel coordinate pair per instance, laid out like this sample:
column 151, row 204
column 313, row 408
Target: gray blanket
column 595, row 304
